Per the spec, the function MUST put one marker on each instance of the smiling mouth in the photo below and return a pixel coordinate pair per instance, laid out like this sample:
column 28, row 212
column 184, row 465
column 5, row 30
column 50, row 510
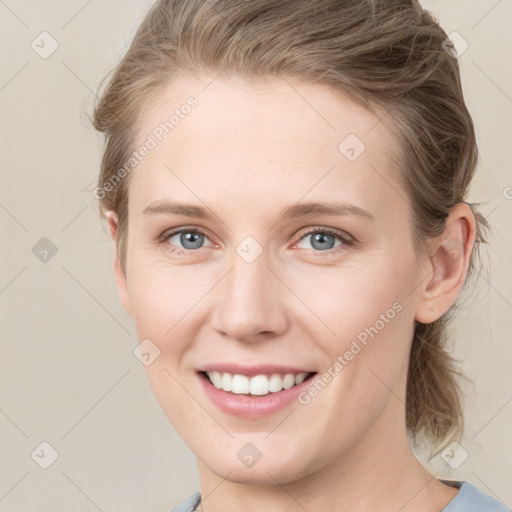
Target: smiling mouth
column 257, row 385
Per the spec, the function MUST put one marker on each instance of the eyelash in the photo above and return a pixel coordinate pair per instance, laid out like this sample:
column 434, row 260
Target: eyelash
column 346, row 241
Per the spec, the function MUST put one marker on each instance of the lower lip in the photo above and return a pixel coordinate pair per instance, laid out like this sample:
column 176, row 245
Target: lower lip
column 251, row 406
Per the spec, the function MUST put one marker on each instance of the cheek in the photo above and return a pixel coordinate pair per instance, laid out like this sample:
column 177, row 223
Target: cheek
column 364, row 325
column 350, row 297
column 163, row 296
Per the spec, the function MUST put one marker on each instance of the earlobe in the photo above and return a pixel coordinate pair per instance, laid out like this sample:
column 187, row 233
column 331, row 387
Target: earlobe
column 120, row 276
column 449, row 263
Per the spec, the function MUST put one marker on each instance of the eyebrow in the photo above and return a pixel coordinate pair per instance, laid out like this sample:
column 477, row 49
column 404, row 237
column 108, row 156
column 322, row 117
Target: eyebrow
column 289, row 212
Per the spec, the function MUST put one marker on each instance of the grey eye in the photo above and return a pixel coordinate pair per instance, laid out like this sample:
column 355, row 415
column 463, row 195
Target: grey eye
column 321, row 240
column 188, row 239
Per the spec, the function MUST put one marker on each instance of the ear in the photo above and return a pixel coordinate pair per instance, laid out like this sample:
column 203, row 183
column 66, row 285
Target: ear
column 121, row 280
column 448, row 265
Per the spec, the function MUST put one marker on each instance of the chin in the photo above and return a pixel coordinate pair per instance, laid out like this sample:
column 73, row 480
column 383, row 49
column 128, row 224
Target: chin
column 264, row 472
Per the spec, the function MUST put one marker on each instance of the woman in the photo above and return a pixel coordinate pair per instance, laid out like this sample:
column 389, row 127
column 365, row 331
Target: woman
column 285, row 182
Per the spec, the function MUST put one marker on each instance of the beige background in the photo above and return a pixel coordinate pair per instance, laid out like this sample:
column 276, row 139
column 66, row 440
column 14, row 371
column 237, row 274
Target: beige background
column 67, row 372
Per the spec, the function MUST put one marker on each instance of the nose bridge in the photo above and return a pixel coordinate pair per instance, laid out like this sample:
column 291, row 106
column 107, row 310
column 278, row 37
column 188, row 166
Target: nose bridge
column 250, row 299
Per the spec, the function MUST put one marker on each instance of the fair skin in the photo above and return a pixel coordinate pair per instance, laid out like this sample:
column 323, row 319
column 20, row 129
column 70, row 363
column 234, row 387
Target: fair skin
column 244, row 153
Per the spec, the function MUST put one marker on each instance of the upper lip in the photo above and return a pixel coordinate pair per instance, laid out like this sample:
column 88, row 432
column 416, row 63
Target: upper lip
column 250, row 371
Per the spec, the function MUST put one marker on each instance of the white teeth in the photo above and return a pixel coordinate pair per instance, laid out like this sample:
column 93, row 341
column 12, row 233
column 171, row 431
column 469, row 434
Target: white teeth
column 240, row 385
column 257, row 385
column 216, row 379
column 226, row 382
column 275, row 383
column 288, row 381
column 300, row 378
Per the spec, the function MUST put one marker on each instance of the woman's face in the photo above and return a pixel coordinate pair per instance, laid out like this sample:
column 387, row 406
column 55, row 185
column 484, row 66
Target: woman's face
column 257, row 288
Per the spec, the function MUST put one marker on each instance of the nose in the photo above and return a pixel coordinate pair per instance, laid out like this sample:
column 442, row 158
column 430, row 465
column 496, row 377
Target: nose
column 251, row 301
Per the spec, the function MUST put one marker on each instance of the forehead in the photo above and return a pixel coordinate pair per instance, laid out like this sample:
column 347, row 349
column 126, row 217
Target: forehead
column 270, row 140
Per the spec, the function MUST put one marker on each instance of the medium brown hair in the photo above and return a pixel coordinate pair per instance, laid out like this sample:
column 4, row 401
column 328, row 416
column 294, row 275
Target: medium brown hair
column 388, row 55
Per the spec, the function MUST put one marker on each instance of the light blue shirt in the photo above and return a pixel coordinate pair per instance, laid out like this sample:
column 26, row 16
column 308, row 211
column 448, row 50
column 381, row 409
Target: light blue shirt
column 468, row 499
